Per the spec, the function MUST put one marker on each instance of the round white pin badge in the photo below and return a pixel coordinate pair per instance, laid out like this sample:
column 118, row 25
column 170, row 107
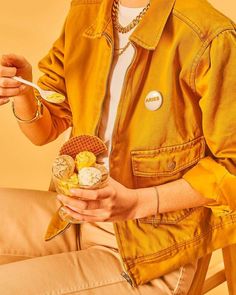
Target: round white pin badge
column 153, row 100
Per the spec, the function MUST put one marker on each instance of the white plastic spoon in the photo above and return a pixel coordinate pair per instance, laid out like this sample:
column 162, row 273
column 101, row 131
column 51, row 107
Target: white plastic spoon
column 50, row 96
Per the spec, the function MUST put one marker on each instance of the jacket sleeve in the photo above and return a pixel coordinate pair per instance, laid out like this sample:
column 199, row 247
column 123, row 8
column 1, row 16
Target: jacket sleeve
column 214, row 176
column 52, row 66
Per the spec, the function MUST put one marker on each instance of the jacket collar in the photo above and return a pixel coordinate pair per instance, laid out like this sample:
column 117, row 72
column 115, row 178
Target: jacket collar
column 148, row 32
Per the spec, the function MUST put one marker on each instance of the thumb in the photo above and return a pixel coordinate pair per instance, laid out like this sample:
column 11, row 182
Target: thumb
column 13, row 60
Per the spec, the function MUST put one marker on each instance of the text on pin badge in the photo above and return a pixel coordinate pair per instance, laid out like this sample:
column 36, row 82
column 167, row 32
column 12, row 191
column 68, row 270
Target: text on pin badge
column 153, row 100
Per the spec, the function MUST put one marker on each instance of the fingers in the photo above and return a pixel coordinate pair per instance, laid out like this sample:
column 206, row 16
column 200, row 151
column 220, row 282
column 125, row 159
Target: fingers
column 9, row 83
column 98, row 194
column 4, row 101
column 9, row 87
column 74, row 204
column 8, row 92
column 12, row 59
column 7, row 71
column 11, row 65
column 84, row 194
column 97, row 215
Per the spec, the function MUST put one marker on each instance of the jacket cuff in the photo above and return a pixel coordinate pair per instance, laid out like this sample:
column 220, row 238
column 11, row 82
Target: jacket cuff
column 213, row 181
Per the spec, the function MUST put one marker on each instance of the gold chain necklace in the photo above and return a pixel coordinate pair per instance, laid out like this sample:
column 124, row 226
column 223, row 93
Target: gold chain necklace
column 131, row 25
column 119, row 51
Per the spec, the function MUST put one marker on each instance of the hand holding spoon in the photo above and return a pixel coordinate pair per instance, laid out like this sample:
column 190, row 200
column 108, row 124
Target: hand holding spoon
column 50, row 96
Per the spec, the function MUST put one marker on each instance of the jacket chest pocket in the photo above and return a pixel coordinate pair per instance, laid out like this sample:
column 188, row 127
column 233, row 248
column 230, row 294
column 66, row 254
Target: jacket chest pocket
column 165, row 164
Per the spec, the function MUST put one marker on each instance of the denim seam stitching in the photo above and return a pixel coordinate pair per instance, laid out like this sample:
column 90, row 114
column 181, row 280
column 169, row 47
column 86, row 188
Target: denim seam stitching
column 189, row 23
column 178, row 246
column 174, row 147
column 201, row 51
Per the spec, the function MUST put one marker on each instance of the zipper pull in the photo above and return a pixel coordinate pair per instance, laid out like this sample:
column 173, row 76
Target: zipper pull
column 128, row 279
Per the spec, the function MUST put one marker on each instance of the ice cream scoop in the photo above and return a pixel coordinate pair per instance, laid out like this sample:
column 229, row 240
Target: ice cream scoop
column 63, row 186
column 85, row 159
column 82, row 143
column 90, row 176
column 63, row 167
column 50, row 96
column 103, row 171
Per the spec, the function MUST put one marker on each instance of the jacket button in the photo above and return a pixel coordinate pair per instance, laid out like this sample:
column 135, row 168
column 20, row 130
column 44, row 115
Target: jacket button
column 171, row 165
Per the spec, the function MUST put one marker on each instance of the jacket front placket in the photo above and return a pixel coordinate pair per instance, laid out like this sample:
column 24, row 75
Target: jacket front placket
column 143, row 37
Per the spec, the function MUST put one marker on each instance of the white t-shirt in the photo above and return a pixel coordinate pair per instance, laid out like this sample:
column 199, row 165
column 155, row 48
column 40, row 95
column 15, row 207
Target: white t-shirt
column 119, row 67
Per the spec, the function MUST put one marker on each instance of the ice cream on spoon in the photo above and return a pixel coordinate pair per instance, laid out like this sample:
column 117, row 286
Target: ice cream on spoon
column 50, row 96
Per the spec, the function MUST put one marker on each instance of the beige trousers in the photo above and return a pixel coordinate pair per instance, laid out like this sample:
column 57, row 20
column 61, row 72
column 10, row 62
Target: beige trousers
column 84, row 261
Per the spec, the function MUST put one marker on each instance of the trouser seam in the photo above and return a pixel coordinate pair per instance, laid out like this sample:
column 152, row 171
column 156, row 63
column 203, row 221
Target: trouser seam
column 179, row 281
column 17, row 254
column 78, row 233
column 86, row 287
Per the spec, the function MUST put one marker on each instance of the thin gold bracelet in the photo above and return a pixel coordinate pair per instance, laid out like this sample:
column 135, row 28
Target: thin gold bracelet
column 38, row 114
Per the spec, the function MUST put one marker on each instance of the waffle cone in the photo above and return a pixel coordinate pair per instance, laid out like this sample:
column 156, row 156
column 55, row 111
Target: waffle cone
column 83, row 143
column 56, row 226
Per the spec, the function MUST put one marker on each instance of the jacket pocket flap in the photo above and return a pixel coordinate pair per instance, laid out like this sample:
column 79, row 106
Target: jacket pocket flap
column 169, row 160
column 169, row 217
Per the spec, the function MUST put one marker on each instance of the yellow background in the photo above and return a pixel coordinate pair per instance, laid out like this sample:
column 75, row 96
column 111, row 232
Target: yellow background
column 29, row 28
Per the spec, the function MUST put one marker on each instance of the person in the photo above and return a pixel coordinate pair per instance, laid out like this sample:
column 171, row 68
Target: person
column 156, row 81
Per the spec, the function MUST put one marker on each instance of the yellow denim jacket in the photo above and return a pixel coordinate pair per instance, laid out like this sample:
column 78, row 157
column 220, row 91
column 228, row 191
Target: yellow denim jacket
column 185, row 50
